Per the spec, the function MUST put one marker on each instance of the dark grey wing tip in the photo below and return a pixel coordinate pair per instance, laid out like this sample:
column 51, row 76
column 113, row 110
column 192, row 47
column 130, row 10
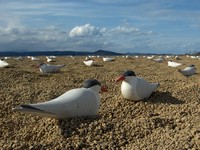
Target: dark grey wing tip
column 158, row 85
column 29, row 107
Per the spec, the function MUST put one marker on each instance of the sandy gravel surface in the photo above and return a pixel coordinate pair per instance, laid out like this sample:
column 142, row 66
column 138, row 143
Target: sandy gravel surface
column 169, row 119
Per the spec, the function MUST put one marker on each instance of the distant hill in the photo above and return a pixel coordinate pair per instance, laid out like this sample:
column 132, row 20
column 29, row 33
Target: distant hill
column 59, row 53
column 103, row 53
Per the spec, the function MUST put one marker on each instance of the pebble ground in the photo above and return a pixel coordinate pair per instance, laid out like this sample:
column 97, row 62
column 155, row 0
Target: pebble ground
column 169, row 119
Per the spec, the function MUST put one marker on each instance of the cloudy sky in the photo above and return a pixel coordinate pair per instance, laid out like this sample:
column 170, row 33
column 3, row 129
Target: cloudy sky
column 145, row 26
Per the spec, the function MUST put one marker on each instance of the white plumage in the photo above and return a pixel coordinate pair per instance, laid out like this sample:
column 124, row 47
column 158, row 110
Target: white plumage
column 159, row 60
column 35, row 58
column 47, row 68
column 3, row 64
column 135, row 88
column 173, row 64
column 188, row 71
column 108, row 59
column 88, row 62
column 78, row 102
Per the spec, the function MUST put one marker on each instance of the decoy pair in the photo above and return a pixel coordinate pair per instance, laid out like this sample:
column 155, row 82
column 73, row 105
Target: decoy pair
column 85, row 101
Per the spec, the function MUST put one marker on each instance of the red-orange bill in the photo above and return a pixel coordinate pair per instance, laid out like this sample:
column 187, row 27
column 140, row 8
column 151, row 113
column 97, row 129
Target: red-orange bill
column 120, row 78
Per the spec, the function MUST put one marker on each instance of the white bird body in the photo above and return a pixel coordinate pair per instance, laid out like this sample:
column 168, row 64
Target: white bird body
column 35, row 58
column 188, row 71
column 18, row 58
column 3, row 64
column 136, row 88
column 6, row 57
column 127, row 56
column 159, row 60
column 47, row 68
column 108, row 59
column 177, row 57
column 150, row 57
column 168, row 56
column 173, row 64
column 89, row 62
column 74, row 103
column 50, row 59
column 193, row 57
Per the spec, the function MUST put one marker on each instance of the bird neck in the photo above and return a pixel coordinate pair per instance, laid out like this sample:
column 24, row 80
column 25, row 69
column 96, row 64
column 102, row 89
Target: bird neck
column 95, row 89
column 130, row 79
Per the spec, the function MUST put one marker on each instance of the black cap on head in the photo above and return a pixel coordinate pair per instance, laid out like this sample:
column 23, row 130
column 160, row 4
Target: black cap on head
column 192, row 65
column 91, row 82
column 129, row 73
column 40, row 64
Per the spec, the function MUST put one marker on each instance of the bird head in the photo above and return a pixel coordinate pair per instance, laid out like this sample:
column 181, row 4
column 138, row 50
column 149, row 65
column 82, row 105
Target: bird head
column 38, row 66
column 94, row 84
column 127, row 73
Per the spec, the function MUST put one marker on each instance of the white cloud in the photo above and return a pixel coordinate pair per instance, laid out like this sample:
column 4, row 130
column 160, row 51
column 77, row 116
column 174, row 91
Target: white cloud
column 149, row 32
column 85, row 30
column 16, row 38
column 124, row 29
column 47, row 25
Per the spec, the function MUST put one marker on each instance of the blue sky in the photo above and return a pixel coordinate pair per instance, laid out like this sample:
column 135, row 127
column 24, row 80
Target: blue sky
column 144, row 26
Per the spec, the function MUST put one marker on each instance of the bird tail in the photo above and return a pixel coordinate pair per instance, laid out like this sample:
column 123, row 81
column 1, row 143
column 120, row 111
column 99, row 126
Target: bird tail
column 63, row 65
column 28, row 109
column 157, row 85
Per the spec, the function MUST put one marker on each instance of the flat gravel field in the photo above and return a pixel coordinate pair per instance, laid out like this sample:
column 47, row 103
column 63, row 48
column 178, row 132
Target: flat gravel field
column 168, row 120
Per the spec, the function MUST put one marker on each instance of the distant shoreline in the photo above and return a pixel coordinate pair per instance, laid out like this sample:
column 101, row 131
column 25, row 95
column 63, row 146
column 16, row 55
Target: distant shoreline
column 57, row 53
column 71, row 53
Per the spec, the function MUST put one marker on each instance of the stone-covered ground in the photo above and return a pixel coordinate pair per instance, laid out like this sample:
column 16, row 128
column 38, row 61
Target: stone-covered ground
column 169, row 119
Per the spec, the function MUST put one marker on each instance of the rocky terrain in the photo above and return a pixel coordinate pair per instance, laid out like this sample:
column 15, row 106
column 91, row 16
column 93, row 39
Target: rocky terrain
column 169, row 119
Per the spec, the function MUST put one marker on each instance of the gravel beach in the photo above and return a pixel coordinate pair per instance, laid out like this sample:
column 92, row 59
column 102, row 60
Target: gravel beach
column 168, row 119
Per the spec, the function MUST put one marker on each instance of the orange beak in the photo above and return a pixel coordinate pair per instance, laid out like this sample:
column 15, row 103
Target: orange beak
column 37, row 66
column 120, row 78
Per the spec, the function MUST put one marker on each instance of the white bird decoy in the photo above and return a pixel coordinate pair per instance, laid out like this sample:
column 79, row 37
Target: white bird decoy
column 108, row 59
column 78, row 102
column 87, row 58
column 35, row 58
column 177, row 58
column 159, row 60
column 135, row 88
column 7, row 57
column 52, row 57
column 188, row 71
column 168, row 56
column 173, row 64
column 49, row 59
column 150, row 57
column 88, row 62
column 18, row 58
column 193, row 57
column 47, row 68
column 3, row 64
